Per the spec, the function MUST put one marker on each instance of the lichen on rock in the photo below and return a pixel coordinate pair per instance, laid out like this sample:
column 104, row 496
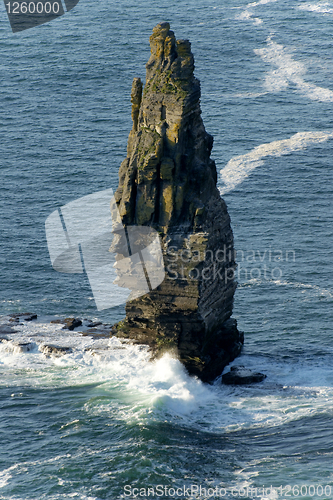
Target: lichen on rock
column 168, row 182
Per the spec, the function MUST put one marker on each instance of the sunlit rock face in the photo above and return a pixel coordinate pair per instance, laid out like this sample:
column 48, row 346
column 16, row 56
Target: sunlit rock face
column 168, row 182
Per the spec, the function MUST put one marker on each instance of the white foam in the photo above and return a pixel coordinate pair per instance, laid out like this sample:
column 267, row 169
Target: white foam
column 320, row 7
column 291, row 391
column 247, row 15
column 162, row 383
column 260, row 2
column 170, row 385
column 4, row 479
column 323, row 292
column 239, row 167
column 139, row 389
column 314, row 290
column 289, row 71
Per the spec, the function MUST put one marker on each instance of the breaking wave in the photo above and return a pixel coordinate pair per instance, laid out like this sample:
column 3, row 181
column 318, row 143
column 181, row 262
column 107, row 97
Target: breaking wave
column 141, row 389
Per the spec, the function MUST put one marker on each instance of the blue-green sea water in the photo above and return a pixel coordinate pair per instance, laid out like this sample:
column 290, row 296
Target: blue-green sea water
column 102, row 422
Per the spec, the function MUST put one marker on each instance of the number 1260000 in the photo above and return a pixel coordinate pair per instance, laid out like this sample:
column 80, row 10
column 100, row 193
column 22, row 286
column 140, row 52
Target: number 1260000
column 33, row 8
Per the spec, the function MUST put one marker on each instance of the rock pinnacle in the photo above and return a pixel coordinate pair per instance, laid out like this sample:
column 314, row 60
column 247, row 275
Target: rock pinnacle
column 168, row 182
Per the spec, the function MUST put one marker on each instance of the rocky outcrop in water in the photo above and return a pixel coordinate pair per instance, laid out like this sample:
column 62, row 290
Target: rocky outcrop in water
column 70, row 323
column 54, row 350
column 239, row 375
column 168, row 182
column 16, row 317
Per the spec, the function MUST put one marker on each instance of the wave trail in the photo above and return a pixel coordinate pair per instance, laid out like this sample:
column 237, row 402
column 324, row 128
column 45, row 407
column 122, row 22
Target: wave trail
column 247, row 15
column 289, row 71
column 239, row 167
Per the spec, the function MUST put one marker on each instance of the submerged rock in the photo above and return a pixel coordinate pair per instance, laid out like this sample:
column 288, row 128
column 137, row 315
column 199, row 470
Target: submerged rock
column 239, row 375
column 18, row 347
column 7, row 329
column 23, row 316
column 102, row 332
column 93, row 324
column 55, row 350
column 70, row 323
column 168, row 182
column 21, row 347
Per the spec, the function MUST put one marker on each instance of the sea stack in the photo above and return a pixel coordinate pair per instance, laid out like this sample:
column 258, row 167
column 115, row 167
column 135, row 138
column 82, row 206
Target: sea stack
column 168, row 182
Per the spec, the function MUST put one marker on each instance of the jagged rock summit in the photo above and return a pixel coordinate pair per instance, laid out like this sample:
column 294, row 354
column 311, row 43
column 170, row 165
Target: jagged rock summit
column 168, row 182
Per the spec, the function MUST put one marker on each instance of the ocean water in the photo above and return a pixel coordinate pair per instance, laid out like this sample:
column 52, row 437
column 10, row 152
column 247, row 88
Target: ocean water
column 102, row 422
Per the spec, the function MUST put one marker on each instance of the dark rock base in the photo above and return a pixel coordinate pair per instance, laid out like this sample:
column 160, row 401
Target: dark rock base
column 209, row 358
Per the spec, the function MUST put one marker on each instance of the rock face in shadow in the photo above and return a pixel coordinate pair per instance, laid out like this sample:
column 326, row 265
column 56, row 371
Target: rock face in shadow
column 168, row 182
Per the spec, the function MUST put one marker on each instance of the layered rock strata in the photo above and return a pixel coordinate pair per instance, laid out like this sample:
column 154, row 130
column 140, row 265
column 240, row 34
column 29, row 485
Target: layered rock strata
column 168, row 182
